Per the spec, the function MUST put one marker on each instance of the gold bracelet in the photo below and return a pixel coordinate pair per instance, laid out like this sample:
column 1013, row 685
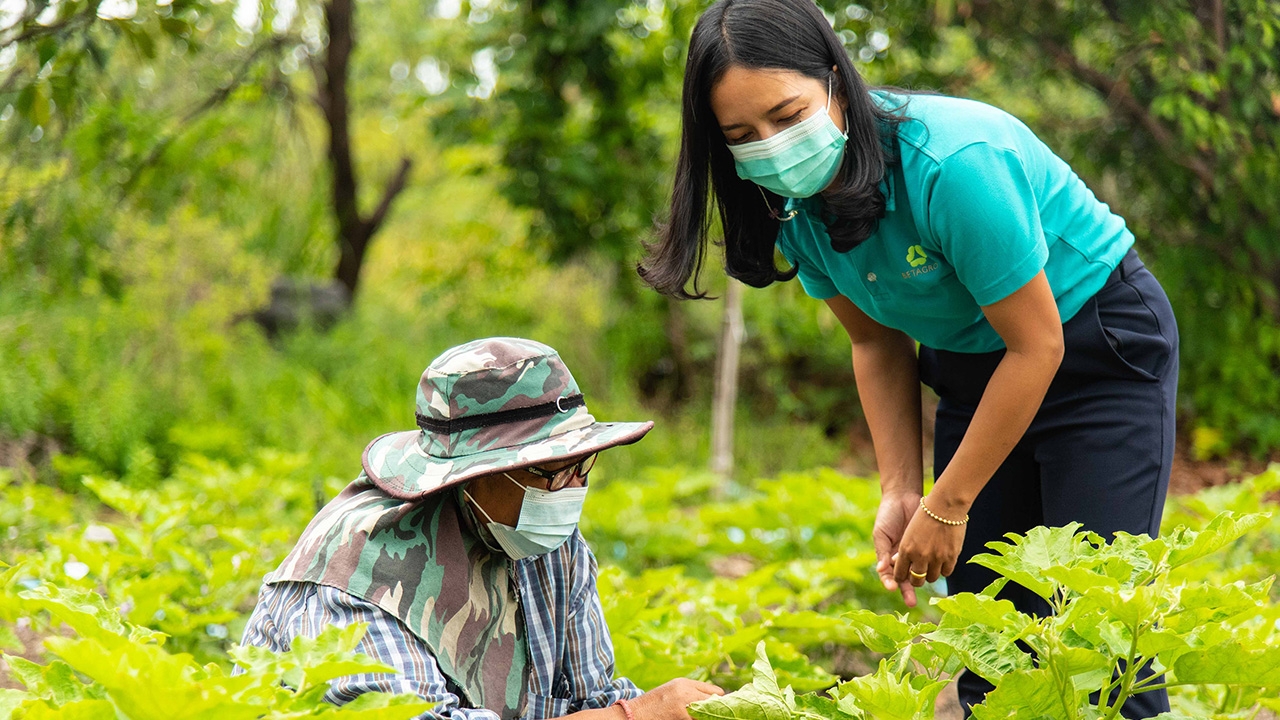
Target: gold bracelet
column 940, row 519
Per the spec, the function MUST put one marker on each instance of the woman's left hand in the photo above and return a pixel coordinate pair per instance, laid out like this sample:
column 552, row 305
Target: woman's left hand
column 928, row 550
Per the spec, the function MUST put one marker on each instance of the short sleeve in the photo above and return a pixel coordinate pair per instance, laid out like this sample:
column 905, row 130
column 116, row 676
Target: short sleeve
column 985, row 217
column 816, row 284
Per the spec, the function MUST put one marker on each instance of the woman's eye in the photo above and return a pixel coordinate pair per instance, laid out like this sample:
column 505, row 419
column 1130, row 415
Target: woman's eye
column 738, row 140
column 790, row 118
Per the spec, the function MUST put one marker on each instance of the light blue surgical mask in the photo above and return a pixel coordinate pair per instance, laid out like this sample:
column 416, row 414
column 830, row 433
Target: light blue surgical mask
column 547, row 520
column 797, row 162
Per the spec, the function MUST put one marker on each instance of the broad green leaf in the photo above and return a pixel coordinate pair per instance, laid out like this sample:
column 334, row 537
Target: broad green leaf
column 10, row 700
column 941, row 659
column 1163, row 642
column 8, row 638
column 1188, row 545
column 63, row 683
column 128, row 501
column 92, row 709
column 762, row 672
column 46, row 49
column 759, row 700
column 307, row 700
column 133, row 674
column 1080, row 580
column 1199, row 605
column 818, row 707
column 811, row 627
column 332, row 640
column 1131, row 606
column 792, row 667
column 1026, row 695
column 748, row 703
column 1229, row 664
column 985, row 651
column 323, row 672
column 30, row 674
column 1116, row 636
column 87, row 613
column 1088, row 668
column 258, row 660
column 888, row 695
column 383, row 706
column 995, row 614
column 1025, row 559
column 885, row 633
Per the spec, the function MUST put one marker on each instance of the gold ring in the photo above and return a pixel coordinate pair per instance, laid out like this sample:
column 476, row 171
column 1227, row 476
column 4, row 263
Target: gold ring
column 915, row 574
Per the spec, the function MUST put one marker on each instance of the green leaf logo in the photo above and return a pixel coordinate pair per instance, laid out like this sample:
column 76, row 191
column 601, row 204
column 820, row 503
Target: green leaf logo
column 916, row 256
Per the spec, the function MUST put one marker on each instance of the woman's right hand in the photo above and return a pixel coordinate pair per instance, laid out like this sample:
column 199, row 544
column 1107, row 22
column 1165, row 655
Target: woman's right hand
column 669, row 700
column 896, row 511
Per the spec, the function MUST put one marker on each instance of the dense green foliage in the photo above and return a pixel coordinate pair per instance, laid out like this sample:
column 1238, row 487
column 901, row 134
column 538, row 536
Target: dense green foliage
column 158, row 452
column 164, row 577
column 130, row 674
column 138, row 224
column 1115, row 609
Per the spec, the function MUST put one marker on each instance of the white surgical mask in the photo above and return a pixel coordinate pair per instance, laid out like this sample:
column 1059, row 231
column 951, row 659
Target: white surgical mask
column 547, row 520
column 798, row 162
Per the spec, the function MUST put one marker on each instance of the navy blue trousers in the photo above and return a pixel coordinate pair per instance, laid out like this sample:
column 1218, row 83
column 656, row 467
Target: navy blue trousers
column 1098, row 452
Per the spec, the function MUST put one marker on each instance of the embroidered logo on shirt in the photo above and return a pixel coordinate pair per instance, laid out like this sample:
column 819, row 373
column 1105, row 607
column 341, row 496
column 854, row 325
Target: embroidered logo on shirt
column 916, row 256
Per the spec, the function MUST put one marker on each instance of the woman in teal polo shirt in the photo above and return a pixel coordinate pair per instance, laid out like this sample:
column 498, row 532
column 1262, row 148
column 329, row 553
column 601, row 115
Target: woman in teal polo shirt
column 929, row 219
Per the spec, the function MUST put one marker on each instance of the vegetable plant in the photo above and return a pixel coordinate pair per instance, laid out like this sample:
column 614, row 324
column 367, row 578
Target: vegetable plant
column 114, row 670
column 1117, row 605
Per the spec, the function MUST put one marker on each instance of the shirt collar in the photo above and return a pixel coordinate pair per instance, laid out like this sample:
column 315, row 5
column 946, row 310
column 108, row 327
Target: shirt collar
column 813, row 205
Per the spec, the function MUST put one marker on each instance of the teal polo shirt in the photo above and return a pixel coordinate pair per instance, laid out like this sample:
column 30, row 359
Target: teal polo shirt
column 976, row 208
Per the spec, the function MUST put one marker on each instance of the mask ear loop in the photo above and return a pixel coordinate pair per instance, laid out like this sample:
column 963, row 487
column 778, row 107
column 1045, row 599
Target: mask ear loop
column 845, row 113
column 477, row 506
column 791, row 214
column 774, row 212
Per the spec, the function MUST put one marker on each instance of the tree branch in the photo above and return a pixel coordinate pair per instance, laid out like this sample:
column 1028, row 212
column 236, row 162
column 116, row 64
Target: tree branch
column 1117, row 92
column 39, row 30
column 216, row 98
column 397, row 184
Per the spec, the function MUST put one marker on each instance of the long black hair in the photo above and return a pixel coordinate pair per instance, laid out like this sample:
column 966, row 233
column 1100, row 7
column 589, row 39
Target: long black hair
column 763, row 34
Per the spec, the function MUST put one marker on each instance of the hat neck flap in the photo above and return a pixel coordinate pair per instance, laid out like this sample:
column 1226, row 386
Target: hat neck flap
column 418, row 562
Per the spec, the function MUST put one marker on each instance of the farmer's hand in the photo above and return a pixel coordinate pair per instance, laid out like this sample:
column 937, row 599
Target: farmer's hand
column 891, row 522
column 669, row 700
column 928, row 550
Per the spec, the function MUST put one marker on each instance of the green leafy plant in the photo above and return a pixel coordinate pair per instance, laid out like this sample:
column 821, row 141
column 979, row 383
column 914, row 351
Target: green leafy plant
column 763, row 699
column 114, row 670
column 1118, row 606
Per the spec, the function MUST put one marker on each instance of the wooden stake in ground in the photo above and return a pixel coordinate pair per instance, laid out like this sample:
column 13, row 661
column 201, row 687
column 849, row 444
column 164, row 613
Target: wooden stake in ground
column 726, row 390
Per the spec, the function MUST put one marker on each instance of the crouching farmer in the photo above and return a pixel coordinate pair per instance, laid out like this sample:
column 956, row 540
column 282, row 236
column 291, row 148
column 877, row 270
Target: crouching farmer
column 458, row 545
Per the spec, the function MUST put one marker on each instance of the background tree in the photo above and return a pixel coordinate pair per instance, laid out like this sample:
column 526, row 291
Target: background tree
column 123, row 122
column 58, row 49
column 1184, row 142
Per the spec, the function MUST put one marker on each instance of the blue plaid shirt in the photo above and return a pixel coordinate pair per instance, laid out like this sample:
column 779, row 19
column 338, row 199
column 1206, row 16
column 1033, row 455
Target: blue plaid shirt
column 570, row 652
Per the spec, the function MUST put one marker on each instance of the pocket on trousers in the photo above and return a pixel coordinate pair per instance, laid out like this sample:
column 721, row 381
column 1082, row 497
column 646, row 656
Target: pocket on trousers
column 1130, row 332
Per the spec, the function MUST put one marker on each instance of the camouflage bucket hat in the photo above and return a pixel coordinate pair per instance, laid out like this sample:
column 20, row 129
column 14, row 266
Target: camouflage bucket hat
column 487, row 406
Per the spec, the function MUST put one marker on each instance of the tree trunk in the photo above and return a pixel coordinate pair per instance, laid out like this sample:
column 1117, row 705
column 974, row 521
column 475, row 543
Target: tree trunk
column 726, row 391
column 354, row 231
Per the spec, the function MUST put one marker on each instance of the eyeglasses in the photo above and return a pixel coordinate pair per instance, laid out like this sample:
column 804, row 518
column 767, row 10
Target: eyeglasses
column 560, row 479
